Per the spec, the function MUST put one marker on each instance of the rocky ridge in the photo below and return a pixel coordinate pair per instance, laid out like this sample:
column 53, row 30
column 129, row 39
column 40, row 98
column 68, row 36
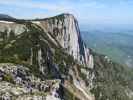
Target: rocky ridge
column 18, row 83
column 65, row 29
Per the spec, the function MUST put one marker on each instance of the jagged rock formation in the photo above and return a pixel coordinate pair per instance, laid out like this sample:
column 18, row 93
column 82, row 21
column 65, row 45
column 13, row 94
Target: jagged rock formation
column 52, row 49
column 18, row 83
column 66, row 31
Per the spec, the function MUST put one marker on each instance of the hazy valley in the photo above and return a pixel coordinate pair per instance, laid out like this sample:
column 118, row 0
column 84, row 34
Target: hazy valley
column 117, row 45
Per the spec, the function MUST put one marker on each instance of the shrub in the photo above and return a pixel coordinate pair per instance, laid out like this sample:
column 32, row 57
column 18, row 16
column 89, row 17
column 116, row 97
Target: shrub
column 8, row 78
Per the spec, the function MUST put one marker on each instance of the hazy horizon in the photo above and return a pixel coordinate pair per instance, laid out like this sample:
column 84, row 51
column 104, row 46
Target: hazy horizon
column 93, row 13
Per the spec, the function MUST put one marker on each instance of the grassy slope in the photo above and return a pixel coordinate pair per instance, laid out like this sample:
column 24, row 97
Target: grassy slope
column 112, row 80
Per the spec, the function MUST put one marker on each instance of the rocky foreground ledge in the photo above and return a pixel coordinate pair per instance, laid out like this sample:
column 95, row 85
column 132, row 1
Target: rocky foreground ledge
column 17, row 83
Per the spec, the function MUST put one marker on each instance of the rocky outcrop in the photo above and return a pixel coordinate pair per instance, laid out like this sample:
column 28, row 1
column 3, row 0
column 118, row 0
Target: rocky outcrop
column 9, row 26
column 66, row 31
column 17, row 82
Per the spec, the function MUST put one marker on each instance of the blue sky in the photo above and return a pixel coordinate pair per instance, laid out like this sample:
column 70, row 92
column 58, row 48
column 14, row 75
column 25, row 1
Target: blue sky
column 106, row 12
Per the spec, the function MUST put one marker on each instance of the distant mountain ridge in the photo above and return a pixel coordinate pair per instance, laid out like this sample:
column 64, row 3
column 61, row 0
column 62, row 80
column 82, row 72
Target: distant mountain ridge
column 4, row 16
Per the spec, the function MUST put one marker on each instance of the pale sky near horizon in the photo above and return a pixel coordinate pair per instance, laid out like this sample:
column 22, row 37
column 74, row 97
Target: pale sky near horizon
column 86, row 11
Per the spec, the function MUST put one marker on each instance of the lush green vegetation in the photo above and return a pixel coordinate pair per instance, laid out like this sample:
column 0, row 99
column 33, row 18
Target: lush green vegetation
column 8, row 78
column 69, row 96
column 112, row 81
column 18, row 49
column 64, row 61
column 24, row 48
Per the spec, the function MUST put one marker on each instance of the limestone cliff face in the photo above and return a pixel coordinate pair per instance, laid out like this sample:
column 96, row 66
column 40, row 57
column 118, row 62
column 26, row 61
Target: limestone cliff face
column 12, row 26
column 64, row 28
column 66, row 31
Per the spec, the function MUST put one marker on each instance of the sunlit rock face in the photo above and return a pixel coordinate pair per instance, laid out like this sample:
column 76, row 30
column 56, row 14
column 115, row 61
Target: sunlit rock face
column 63, row 29
column 8, row 26
column 66, row 31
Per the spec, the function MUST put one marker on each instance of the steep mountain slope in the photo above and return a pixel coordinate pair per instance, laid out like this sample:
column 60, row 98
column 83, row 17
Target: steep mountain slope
column 65, row 29
column 113, row 81
column 51, row 51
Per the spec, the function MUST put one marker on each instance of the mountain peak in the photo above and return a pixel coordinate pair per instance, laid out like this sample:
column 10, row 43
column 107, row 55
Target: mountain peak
column 65, row 29
column 66, row 14
column 4, row 16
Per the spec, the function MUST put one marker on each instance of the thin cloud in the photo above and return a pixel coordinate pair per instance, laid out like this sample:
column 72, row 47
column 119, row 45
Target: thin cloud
column 51, row 7
column 63, row 5
column 33, row 4
column 89, row 11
